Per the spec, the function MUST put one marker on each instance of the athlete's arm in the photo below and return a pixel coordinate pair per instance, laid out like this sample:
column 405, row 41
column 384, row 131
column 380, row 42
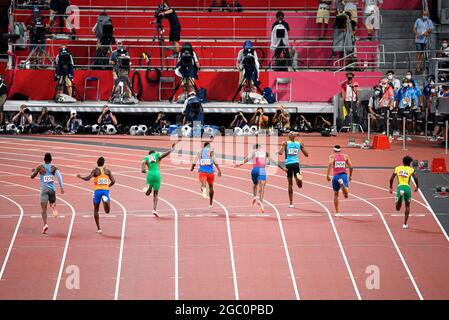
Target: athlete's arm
column 87, row 178
column 276, row 163
column 281, row 150
column 59, row 176
column 218, row 168
column 195, row 161
column 168, row 152
column 111, row 177
column 329, row 168
column 304, row 151
column 415, row 177
column 245, row 160
column 391, row 181
column 143, row 166
column 36, row 171
column 351, row 168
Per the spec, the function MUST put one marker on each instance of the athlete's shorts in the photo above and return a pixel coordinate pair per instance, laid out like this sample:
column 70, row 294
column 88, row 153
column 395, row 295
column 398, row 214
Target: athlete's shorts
column 204, row 176
column 98, row 196
column 48, row 195
column 292, row 169
column 336, row 185
column 154, row 181
column 407, row 193
column 258, row 174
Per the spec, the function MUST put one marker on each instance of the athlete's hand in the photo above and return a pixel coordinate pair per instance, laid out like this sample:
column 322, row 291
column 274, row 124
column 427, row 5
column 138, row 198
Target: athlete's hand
column 328, row 178
column 78, row 176
column 350, row 178
column 416, row 189
column 390, row 190
column 144, row 171
column 62, row 191
column 219, row 173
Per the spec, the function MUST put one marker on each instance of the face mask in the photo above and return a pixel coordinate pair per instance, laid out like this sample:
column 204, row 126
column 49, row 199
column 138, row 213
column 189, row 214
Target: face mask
column 408, row 77
column 444, row 44
column 390, row 77
column 349, row 78
column 432, row 83
column 410, row 84
column 377, row 92
column 405, row 84
column 425, row 17
column 432, row 90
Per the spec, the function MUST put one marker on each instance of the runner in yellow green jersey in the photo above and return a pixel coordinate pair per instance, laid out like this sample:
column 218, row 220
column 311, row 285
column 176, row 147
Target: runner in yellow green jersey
column 404, row 173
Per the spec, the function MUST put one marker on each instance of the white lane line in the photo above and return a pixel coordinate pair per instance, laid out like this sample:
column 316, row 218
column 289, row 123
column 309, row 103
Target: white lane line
column 11, row 243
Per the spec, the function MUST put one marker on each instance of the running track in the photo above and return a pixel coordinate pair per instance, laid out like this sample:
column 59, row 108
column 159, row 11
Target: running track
column 193, row 252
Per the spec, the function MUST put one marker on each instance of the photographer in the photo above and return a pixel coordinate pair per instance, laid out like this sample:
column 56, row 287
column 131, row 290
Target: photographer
column 167, row 12
column 160, row 123
column 23, row 118
column 279, row 42
column 187, row 66
column 103, row 30
column 239, row 121
column 248, row 64
column 121, row 62
column 64, row 72
column 107, row 117
column 58, row 9
column 74, row 124
column 259, row 119
column 302, row 124
column 350, row 95
column 3, row 96
column 344, row 35
column 281, row 119
column 37, row 26
column 193, row 110
column 45, row 122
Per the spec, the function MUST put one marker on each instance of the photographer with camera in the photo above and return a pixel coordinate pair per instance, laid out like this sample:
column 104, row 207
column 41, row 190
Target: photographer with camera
column 121, row 62
column 193, row 110
column 74, row 123
column 281, row 119
column 23, row 118
column 165, row 11
column 349, row 92
column 161, row 123
column 37, row 26
column 248, row 65
column 58, row 9
column 187, row 67
column 239, row 121
column 343, row 42
column 103, row 30
column 279, row 43
column 45, row 122
column 259, row 119
column 107, row 117
column 64, row 72
column 302, row 124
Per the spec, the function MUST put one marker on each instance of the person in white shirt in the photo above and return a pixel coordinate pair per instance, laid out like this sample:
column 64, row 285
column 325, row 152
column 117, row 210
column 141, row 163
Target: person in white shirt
column 371, row 17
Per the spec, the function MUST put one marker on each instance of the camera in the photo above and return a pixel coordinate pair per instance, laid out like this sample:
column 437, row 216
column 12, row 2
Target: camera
column 108, row 112
column 280, row 33
column 26, row 111
column 64, row 56
column 195, row 106
column 158, row 14
column 123, row 60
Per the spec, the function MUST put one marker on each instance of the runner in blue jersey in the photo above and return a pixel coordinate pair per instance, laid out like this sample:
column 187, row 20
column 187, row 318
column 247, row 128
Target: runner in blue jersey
column 47, row 173
column 292, row 148
column 206, row 159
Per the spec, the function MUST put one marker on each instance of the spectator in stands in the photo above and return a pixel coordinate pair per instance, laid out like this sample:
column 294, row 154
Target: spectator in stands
column 58, row 9
column 23, row 118
column 322, row 17
column 344, row 36
column 406, row 100
column 74, row 123
column 350, row 95
column 169, row 13
column 374, row 109
column 46, row 122
column 103, row 20
column 193, row 110
column 302, row 124
column 281, row 119
column 279, row 41
column 444, row 53
column 395, row 83
column 64, row 72
column 371, row 17
column 423, row 28
column 351, row 7
column 160, row 123
column 3, row 96
column 239, row 121
column 259, row 119
column 380, row 103
column 248, row 63
column 107, row 117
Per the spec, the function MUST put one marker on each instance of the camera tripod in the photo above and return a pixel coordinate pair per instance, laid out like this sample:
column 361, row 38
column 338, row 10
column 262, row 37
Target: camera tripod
column 247, row 83
column 159, row 34
column 120, row 83
column 186, row 81
column 36, row 54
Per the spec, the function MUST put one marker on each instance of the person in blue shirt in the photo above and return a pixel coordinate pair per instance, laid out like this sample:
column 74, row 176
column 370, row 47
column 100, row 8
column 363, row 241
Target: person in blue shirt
column 292, row 148
column 47, row 173
column 423, row 28
column 406, row 100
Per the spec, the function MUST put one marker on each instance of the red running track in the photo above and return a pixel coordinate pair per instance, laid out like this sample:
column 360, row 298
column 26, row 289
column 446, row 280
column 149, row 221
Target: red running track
column 193, row 252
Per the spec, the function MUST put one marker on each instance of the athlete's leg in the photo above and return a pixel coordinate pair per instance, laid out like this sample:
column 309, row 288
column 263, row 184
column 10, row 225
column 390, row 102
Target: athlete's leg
column 211, row 194
column 298, row 182
column 407, row 212
column 255, row 189
column 345, row 191
column 44, row 212
column 290, row 190
column 150, row 188
column 262, row 184
column 107, row 206
column 96, row 216
column 155, row 199
column 336, row 201
column 399, row 198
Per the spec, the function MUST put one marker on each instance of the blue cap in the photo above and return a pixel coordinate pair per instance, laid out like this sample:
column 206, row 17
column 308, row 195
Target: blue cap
column 247, row 44
column 36, row 9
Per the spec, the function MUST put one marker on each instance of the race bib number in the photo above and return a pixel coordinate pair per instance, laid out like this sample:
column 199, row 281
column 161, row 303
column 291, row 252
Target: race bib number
column 151, row 159
column 340, row 164
column 103, row 181
column 292, row 151
column 260, row 154
column 49, row 179
column 205, row 162
column 403, row 173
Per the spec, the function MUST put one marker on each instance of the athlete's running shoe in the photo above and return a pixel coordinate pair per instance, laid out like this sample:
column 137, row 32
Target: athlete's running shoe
column 104, row 198
column 299, row 176
column 260, row 203
column 291, row 206
column 155, row 214
column 45, row 229
column 405, row 226
column 340, row 181
column 204, row 192
column 99, row 231
column 55, row 212
column 211, row 206
column 401, row 192
column 253, row 203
